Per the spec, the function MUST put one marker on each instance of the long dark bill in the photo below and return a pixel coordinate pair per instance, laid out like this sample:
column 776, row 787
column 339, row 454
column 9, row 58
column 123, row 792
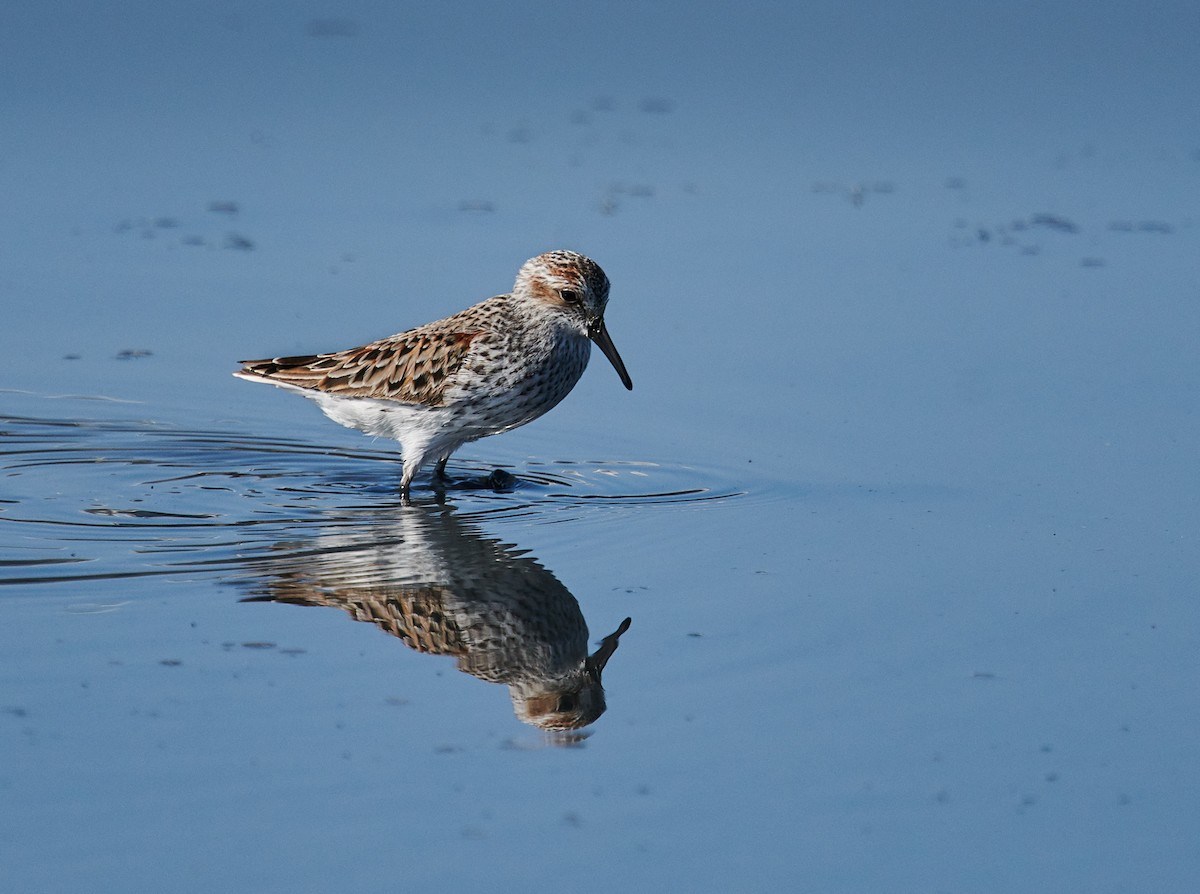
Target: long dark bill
column 595, row 663
column 599, row 334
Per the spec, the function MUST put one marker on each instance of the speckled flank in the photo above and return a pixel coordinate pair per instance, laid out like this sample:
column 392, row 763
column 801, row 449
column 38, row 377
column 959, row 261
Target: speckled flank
column 485, row 370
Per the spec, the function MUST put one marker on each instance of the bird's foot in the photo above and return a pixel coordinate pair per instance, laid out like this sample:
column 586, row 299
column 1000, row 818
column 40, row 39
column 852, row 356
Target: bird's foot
column 498, row 480
column 501, row 481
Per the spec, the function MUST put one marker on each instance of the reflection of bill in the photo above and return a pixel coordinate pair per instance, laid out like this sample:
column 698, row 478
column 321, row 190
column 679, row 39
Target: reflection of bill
column 441, row 587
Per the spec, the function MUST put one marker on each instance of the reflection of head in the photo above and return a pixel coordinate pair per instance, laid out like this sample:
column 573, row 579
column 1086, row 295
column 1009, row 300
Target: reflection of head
column 560, row 710
column 578, row 701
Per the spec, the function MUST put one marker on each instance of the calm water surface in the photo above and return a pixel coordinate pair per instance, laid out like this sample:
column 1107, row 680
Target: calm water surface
column 882, row 578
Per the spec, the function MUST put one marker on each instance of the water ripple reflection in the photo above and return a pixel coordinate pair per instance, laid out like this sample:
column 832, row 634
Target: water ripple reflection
column 95, row 500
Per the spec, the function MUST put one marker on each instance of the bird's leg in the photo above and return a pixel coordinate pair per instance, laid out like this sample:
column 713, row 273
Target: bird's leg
column 440, row 480
column 406, row 478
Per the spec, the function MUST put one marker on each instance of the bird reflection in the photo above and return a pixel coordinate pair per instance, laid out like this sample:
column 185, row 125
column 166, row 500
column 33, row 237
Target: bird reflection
column 434, row 581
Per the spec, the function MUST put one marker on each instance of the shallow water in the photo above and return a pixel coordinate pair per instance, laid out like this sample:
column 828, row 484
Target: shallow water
column 900, row 511
column 118, row 489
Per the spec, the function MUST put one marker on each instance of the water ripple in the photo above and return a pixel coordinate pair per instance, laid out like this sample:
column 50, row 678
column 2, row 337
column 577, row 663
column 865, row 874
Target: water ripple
column 96, row 500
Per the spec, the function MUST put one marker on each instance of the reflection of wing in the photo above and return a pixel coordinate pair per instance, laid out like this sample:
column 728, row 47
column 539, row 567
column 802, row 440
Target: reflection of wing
column 415, row 616
column 443, row 589
column 413, row 367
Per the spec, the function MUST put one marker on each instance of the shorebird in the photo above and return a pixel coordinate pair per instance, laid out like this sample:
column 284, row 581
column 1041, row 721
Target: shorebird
column 482, row 371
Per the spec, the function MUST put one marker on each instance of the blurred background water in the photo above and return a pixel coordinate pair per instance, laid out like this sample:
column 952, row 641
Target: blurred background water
column 902, row 507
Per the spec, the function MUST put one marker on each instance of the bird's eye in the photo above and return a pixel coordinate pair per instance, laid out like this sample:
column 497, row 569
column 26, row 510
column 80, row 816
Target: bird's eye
column 569, row 296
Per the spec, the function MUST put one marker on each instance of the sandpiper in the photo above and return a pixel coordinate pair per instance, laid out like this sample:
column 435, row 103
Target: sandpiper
column 485, row 370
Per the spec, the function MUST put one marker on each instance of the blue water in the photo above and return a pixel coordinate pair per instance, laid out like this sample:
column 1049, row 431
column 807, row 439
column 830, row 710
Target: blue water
column 901, row 508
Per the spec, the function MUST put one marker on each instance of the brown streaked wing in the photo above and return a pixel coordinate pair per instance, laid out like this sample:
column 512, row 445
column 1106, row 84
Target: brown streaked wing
column 416, row 614
column 413, row 367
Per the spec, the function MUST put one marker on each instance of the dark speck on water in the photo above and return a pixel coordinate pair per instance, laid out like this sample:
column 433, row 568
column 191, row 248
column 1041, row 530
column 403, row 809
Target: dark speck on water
column 1054, row 222
column 657, row 105
column 239, row 242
